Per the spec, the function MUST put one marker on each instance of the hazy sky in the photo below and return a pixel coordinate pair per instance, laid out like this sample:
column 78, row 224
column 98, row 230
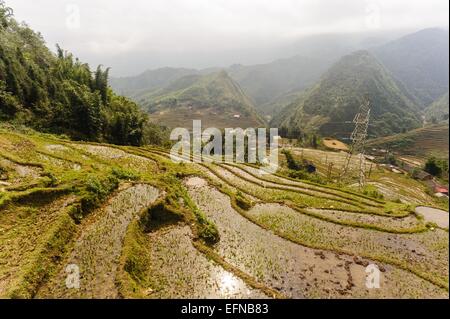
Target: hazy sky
column 202, row 33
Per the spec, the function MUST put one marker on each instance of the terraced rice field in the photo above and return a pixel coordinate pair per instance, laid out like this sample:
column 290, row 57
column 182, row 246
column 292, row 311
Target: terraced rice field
column 422, row 142
column 137, row 225
column 393, row 186
column 297, row 271
column 323, row 158
column 97, row 250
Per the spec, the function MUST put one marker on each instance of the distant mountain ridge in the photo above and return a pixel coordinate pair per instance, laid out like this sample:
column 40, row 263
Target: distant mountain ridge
column 214, row 98
column 405, row 76
column 149, row 80
column 270, row 85
column 420, row 61
column 334, row 100
column 265, row 84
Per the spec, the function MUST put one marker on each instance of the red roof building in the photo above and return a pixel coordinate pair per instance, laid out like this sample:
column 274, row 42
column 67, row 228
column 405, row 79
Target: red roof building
column 442, row 190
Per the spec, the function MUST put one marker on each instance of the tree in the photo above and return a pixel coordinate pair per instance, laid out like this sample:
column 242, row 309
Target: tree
column 291, row 162
column 101, row 82
column 415, row 173
column 57, row 93
column 283, row 131
column 314, row 143
column 432, row 167
column 5, row 14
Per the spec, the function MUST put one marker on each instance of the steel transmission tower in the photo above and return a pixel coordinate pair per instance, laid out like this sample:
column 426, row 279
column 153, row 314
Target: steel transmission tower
column 358, row 139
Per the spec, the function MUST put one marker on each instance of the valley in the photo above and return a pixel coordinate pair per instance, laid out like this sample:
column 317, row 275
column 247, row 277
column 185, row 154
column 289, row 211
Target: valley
column 97, row 203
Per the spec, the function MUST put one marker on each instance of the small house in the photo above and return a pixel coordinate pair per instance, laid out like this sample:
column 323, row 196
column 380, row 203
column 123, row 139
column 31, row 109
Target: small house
column 441, row 190
column 423, row 176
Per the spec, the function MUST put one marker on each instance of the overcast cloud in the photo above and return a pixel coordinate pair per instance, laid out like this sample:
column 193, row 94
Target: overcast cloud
column 135, row 34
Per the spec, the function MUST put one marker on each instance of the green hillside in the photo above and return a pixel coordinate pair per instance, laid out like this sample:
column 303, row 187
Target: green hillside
column 422, row 142
column 335, row 100
column 269, row 83
column 139, row 225
column 59, row 93
column 84, row 218
column 148, row 80
column 438, row 110
column 214, row 98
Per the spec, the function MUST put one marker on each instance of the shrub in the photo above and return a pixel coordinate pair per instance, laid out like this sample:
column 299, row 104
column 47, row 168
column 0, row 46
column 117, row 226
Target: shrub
column 303, row 175
column 124, row 174
column 436, row 167
column 291, row 162
column 372, row 191
column 160, row 215
column 95, row 192
column 242, row 202
column 208, row 231
column 3, row 173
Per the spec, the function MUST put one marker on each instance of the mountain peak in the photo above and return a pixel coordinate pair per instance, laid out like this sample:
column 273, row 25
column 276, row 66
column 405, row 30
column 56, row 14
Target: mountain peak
column 333, row 102
column 213, row 98
column 421, row 62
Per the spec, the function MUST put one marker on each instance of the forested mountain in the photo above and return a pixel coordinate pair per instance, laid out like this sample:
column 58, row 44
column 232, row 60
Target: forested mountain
column 215, row 99
column 274, row 85
column 421, row 61
column 438, row 111
column 335, row 100
column 270, row 85
column 60, row 94
column 266, row 83
column 148, row 80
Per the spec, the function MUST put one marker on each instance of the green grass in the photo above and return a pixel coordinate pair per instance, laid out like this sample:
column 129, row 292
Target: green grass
column 422, row 142
column 319, row 234
column 85, row 172
column 53, row 246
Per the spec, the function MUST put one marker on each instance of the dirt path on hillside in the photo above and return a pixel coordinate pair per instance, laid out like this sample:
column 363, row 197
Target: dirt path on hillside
column 97, row 251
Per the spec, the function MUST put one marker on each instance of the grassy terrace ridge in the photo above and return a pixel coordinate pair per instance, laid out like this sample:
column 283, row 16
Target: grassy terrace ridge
column 165, row 176
column 434, row 278
column 54, row 244
column 41, row 169
column 13, row 197
column 323, row 188
column 300, row 201
column 441, row 282
column 361, row 211
column 421, row 227
column 305, row 190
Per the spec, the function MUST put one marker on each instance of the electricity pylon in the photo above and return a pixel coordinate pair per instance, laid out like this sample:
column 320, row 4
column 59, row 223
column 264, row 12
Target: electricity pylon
column 358, row 139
